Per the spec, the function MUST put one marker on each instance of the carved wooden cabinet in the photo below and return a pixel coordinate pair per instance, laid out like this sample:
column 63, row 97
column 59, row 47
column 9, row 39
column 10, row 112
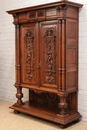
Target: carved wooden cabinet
column 46, row 42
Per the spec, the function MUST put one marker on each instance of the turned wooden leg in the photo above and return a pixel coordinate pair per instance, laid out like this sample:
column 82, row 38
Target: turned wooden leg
column 19, row 95
column 62, row 104
column 62, row 126
column 16, row 112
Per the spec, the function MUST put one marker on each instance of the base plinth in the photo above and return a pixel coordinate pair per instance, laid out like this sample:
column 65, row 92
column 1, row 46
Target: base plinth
column 47, row 113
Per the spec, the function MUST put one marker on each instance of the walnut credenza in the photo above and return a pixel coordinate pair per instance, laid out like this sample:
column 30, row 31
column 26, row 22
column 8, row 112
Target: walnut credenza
column 46, row 44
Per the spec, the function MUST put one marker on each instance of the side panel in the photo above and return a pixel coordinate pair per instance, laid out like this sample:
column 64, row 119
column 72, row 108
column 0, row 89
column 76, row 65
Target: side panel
column 49, row 54
column 29, row 53
column 72, row 55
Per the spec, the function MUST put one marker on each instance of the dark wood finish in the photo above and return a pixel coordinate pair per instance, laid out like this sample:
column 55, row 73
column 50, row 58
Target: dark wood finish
column 47, row 60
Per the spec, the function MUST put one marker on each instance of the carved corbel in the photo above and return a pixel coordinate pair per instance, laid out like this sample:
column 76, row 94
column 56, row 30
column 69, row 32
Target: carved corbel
column 61, row 9
column 16, row 19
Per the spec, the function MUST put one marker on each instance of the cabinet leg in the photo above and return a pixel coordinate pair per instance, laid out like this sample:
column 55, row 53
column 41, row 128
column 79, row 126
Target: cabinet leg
column 72, row 123
column 62, row 126
column 62, row 104
column 16, row 112
column 19, row 95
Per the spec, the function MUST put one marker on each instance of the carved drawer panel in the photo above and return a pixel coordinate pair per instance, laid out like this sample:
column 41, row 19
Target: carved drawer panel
column 51, row 13
column 22, row 17
column 32, row 16
column 41, row 15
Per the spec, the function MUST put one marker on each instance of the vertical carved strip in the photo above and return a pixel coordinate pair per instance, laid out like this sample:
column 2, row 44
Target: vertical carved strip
column 50, row 55
column 60, row 61
column 17, row 53
column 29, row 41
column 63, row 55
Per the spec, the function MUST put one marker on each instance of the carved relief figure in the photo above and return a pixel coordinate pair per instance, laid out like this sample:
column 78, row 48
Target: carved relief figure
column 29, row 54
column 50, row 55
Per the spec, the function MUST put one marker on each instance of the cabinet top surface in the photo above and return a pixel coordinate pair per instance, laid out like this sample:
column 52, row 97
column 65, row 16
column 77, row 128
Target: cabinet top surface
column 47, row 5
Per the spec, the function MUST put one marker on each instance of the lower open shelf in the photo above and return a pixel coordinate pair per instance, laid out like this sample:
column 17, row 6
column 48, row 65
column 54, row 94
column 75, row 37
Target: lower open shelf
column 48, row 113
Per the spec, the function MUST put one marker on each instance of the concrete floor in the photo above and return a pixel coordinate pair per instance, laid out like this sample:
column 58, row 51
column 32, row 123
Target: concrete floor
column 11, row 121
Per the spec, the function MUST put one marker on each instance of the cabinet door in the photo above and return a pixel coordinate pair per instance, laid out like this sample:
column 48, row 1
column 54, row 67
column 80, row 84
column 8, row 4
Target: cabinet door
column 29, row 53
column 49, row 54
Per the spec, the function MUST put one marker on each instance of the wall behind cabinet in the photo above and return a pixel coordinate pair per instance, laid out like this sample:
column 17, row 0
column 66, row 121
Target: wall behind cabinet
column 7, row 52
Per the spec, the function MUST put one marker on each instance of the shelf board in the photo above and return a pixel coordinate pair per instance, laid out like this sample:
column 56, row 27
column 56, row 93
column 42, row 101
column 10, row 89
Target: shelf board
column 45, row 112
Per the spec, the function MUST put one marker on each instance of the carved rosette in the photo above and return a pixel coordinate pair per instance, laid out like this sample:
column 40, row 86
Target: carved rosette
column 50, row 55
column 29, row 41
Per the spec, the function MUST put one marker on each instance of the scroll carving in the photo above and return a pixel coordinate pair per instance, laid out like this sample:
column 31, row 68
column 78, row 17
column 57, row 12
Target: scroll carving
column 29, row 40
column 50, row 55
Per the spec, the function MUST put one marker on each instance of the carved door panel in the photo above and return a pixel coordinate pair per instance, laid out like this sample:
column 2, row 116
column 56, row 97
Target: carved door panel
column 48, row 54
column 29, row 53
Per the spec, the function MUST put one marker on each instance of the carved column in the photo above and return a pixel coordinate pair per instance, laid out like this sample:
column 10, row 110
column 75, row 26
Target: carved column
column 63, row 55
column 60, row 54
column 62, row 105
column 19, row 94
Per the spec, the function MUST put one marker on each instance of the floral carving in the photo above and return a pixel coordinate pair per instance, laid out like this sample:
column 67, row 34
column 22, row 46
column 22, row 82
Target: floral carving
column 29, row 40
column 50, row 55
